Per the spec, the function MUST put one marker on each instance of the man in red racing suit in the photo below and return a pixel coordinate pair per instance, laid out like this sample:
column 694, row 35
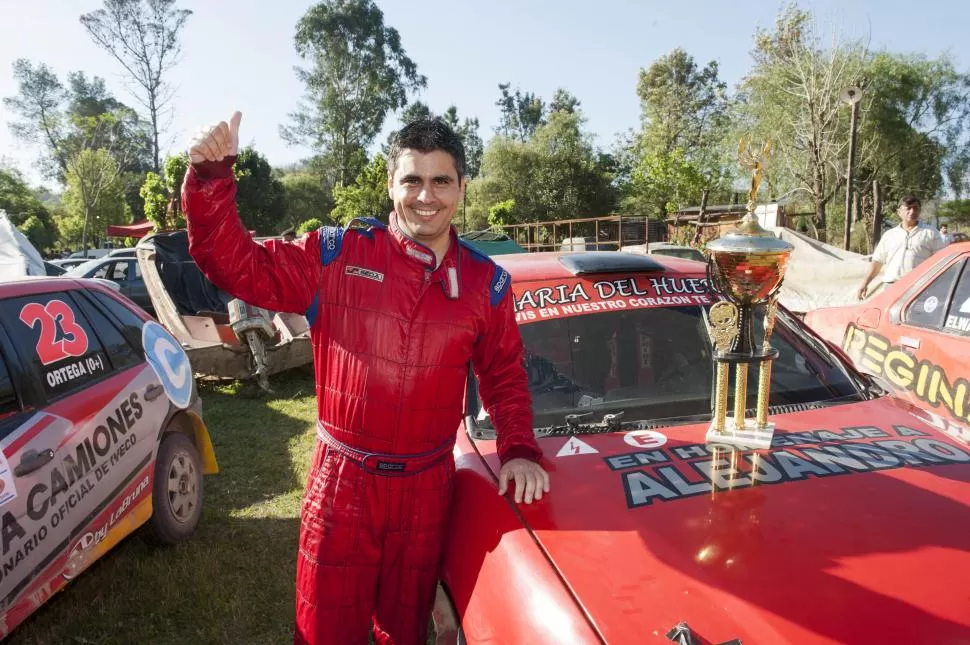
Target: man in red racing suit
column 397, row 314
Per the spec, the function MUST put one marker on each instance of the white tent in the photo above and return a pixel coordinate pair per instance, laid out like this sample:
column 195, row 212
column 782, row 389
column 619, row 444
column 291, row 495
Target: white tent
column 18, row 257
column 821, row 275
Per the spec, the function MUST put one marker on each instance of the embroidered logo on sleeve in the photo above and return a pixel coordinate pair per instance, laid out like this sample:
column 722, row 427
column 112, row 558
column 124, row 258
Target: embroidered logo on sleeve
column 361, row 272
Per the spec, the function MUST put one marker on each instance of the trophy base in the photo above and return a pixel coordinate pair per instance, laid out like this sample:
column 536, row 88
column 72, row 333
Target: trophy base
column 748, row 435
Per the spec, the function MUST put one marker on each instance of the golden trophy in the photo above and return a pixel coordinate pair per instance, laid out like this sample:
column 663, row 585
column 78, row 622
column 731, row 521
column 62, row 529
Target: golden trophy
column 746, row 268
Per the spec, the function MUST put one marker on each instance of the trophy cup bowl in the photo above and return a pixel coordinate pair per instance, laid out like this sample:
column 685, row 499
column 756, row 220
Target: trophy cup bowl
column 746, row 267
column 750, row 263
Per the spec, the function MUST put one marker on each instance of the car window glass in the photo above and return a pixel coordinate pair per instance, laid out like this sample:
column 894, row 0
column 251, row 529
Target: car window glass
column 130, row 324
column 134, row 267
column 657, row 363
column 8, row 398
column 103, row 270
column 120, row 272
column 958, row 314
column 929, row 307
column 55, row 340
column 120, row 351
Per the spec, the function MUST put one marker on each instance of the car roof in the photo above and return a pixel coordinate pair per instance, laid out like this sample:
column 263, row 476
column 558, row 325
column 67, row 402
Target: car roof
column 30, row 285
column 547, row 265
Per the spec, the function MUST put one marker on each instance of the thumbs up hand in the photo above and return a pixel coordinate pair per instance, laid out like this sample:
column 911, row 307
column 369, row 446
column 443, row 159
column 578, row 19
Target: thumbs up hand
column 216, row 142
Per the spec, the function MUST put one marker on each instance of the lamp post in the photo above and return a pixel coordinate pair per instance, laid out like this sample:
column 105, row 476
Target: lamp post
column 850, row 95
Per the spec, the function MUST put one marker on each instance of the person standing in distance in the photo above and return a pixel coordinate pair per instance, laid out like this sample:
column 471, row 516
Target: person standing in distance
column 902, row 248
column 397, row 313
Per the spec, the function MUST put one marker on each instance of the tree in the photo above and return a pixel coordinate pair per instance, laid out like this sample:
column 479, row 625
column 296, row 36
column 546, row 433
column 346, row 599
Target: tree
column 555, row 175
column 472, row 142
column 563, row 101
column 360, row 73
column 367, row 197
column 40, row 105
column 26, row 211
column 306, row 198
column 791, row 96
column 94, row 197
column 161, row 194
column 142, row 35
column 912, row 130
column 956, row 211
column 306, row 226
column 53, row 117
column 522, row 114
column 679, row 152
column 259, row 194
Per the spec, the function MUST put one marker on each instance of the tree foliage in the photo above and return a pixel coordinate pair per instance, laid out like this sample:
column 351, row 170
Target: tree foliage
column 366, row 197
column 359, row 73
column 521, row 113
column 94, row 197
column 161, row 194
column 260, row 196
column 556, row 175
column 26, row 211
column 679, row 153
column 142, row 35
column 306, row 198
column 309, row 225
column 791, row 97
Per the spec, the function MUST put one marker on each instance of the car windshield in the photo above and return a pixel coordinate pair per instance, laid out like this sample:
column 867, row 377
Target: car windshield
column 81, row 269
column 656, row 363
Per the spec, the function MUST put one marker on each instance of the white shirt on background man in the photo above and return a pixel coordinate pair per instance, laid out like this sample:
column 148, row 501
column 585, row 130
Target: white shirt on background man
column 900, row 251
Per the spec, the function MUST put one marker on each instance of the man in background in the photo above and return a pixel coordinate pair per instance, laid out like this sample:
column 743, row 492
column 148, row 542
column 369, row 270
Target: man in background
column 904, row 247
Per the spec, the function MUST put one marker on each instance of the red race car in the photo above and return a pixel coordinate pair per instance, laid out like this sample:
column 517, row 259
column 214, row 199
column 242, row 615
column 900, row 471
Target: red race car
column 852, row 528
column 100, row 433
column 913, row 338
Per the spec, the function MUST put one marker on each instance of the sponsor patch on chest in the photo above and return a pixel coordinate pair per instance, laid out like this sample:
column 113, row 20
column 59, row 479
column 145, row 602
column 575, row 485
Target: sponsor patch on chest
column 361, row 272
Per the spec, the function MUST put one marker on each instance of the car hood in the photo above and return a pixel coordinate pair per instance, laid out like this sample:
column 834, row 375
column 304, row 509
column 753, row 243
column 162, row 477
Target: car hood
column 853, row 528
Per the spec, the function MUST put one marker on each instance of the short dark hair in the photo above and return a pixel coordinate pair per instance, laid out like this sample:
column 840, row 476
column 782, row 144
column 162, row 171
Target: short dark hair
column 910, row 200
column 427, row 135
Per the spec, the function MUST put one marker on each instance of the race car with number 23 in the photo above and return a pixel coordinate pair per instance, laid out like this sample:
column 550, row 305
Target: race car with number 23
column 101, row 434
column 852, row 528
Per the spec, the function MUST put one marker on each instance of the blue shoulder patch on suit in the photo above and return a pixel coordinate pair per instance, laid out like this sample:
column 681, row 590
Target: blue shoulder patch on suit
column 478, row 255
column 370, row 221
column 331, row 239
column 501, row 281
column 311, row 313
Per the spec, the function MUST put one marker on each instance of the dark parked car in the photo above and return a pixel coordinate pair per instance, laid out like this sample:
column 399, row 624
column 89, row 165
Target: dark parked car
column 124, row 271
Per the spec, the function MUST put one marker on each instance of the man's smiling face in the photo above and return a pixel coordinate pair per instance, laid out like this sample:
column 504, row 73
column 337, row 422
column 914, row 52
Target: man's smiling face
column 426, row 190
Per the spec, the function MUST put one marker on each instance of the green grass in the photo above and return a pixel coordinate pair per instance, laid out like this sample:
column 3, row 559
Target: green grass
column 233, row 582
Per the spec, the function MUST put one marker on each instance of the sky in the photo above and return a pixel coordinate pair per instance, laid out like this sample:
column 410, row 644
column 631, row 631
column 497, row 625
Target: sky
column 239, row 54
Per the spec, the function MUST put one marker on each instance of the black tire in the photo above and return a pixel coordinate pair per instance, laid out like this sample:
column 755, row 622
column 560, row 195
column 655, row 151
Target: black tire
column 177, row 491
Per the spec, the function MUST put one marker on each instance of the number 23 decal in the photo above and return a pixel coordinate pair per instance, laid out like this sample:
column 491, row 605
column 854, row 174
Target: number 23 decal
column 60, row 335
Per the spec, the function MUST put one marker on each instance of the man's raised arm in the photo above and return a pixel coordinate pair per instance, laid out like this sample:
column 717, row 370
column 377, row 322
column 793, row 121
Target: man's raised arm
column 281, row 276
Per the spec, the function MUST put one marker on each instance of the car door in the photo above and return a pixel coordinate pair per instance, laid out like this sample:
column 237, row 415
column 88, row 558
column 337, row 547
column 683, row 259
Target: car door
column 931, row 326
column 137, row 289
column 100, row 410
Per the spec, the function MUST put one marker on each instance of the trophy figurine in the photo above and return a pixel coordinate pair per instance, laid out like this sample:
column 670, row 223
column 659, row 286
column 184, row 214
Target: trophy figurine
column 745, row 268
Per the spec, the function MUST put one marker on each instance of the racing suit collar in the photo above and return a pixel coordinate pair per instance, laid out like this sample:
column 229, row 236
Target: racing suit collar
column 448, row 273
column 418, row 252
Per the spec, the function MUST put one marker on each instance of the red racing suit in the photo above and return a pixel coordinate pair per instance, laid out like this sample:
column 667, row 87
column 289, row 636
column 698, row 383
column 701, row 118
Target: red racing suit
column 393, row 337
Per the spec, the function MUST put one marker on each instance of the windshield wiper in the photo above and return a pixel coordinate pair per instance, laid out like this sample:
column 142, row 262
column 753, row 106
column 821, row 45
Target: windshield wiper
column 609, row 423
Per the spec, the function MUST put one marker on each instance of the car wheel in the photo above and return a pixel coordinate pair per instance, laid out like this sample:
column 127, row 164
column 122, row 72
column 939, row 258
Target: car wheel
column 176, row 491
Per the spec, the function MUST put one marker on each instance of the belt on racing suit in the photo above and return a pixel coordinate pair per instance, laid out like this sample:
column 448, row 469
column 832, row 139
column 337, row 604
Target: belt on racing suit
column 388, row 465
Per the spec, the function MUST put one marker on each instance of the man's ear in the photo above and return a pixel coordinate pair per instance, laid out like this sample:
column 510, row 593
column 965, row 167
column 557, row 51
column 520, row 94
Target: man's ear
column 390, row 188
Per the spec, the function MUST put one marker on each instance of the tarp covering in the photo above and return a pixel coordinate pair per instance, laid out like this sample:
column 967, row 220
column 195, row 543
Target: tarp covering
column 18, row 257
column 821, row 275
column 492, row 243
column 189, row 289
